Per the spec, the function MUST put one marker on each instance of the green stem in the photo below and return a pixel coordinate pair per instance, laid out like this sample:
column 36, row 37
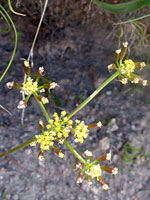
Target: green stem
column 75, row 152
column 5, row 18
column 17, row 148
column 42, row 107
column 89, row 165
column 93, row 94
column 15, row 45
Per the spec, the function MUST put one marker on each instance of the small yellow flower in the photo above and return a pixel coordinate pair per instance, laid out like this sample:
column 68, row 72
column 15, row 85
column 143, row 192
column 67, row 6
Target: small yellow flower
column 124, row 81
column 99, row 124
column 42, row 90
column 111, row 67
column 26, row 63
column 65, row 119
column 144, row 82
column 142, row 64
column 105, row 187
column 118, row 51
column 60, row 155
column 41, row 123
column 51, row 121
column 108, row 156
column 63, row 113
column 10, row 84
column 115, row 171
column 55, row 115
column 70, row 122
column 44, row 100
column 22, row 104
column 125, row 44
column 33, row 144
column 53, row 85
column 41, row 70
column 88, row 153
column 41, row 158
column 135, row 80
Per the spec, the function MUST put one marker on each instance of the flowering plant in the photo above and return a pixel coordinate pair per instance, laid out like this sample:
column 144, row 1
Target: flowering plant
column 59, row 128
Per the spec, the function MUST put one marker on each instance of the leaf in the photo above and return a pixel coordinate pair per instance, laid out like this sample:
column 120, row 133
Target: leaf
column 123, row 8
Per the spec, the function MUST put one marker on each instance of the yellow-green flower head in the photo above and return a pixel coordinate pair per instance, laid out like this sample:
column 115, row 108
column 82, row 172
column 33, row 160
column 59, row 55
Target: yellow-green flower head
column 94, row 171
column 29, row 87
column 127, row 67
column 80, row 131
column 46, row 140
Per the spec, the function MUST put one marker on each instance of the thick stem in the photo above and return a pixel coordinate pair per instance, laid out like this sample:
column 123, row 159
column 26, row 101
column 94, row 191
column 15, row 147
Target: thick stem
column 93, row 94
column 21, row 146
column 75, row 153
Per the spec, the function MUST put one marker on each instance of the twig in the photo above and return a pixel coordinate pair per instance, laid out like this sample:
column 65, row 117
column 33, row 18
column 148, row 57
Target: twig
column 4, row 109
column 31, row 53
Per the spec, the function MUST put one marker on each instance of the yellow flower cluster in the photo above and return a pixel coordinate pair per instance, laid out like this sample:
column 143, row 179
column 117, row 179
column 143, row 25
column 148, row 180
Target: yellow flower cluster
column 29, row 87
column 59, row 128
column 80, row 131
column 127, row 67
column 94, row 171
column 46, row 140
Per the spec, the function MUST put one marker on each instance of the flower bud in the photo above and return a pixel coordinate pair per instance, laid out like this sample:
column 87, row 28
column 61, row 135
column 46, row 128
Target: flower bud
column 10, row 84
column 22, row 104
column 102, row 182
column 44, row 100
column 123, row 50
column 79, row 178
column 41, row 125
column 88, row 153
column 144, row 82
column 111, row 67
column 124, row 80
column 41, row 156
column 117, row 54
column 110, row 170
column 33, row 144
column 99, row 124
column 40, row 72
column 26, row 67
column 50, row 85
column 104, row 157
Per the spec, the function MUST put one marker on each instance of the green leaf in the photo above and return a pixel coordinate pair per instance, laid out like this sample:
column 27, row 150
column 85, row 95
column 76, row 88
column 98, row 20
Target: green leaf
column 123, row 8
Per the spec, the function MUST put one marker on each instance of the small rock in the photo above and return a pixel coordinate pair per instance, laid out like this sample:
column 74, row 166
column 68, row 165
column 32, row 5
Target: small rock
column 108, row 93
column 28, row 151
column 105, row 143
column 112, row 126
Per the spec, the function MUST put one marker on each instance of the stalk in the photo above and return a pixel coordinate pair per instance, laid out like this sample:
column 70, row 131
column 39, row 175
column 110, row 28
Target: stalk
column 77, row 109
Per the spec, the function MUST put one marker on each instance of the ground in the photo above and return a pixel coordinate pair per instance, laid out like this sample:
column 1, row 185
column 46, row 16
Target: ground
column 75, row 53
